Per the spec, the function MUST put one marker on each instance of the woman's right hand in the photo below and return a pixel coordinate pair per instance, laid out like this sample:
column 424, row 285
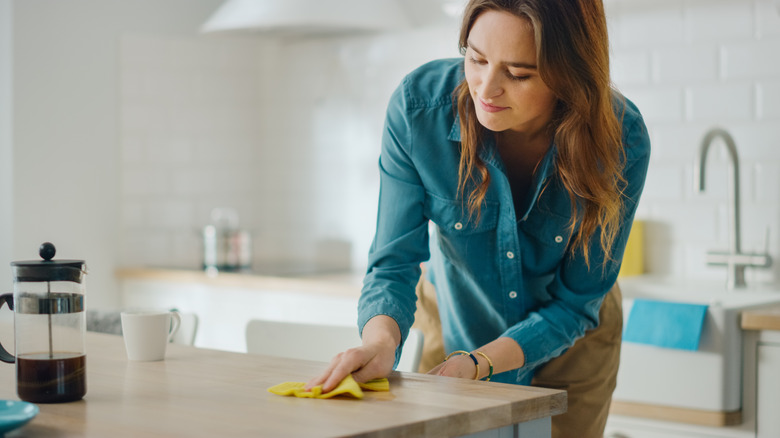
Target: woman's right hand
column 373, row 360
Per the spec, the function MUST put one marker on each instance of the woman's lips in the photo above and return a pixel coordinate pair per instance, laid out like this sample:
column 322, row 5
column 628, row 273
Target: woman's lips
column 490, row 108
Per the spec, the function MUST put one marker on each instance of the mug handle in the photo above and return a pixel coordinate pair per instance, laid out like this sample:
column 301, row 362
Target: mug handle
column 175, row 324
column 5, row 356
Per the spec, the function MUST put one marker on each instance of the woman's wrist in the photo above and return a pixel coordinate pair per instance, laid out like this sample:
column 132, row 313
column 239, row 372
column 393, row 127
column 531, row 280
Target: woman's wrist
column 483, row 363
column 382, row 330
column 471, row 356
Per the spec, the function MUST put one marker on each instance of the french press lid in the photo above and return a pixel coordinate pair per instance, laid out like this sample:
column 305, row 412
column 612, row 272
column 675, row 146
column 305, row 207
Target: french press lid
column 48, row 269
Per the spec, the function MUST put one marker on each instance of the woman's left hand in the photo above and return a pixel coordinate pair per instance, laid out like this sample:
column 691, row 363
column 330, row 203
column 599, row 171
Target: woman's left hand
column 506, row 354
column 457, row 366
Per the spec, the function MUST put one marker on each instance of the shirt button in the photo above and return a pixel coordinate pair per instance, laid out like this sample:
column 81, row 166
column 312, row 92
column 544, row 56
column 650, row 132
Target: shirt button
column 458, row 226
column 558, row 239
column 512, row 294
column 510, row 255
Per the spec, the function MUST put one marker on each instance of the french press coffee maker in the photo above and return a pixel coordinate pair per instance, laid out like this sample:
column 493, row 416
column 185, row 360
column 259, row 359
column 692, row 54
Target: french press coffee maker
column 49, row 328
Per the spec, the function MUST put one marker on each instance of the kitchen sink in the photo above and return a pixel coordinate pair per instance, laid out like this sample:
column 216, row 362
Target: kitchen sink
column 709, row 378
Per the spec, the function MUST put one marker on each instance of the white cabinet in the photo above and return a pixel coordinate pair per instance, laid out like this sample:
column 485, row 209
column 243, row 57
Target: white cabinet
column 619, row 426
column 225, row 304
column 768, row 386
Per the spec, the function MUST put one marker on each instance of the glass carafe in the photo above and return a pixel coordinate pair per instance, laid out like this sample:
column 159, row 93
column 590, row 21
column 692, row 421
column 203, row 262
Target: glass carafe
column 49, row 328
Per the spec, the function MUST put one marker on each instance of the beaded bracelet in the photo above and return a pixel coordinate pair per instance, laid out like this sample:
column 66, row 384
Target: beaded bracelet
column 465, row 353
column 490, row 364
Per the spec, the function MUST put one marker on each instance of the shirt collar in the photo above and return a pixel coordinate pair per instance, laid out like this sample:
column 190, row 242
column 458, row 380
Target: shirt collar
column 489, row 155
column 544, row 171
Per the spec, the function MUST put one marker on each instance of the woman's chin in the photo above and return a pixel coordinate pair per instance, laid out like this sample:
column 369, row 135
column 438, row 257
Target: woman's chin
column 491, row 125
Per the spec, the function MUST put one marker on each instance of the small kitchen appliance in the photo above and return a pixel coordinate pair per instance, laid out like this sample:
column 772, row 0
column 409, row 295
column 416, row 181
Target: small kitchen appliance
column 225, row 246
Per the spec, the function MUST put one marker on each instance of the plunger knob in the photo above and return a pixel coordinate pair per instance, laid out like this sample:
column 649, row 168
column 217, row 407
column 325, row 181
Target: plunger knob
column 47, row 251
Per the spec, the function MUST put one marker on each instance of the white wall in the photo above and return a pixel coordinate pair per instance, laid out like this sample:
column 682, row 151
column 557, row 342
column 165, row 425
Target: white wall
column 65, row 124
column 191, row 140
column 691, row 65
column 6, row 151
column 337, row 92
column 284, row 130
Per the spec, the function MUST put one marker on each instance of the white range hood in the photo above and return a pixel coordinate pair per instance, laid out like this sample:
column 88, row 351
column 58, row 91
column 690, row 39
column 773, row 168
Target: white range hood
column 303, row 17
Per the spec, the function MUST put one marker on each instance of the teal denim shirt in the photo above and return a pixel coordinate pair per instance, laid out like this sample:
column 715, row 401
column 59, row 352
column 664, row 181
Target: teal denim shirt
column 512, row 273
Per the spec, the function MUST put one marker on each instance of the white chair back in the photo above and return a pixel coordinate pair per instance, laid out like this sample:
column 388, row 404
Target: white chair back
column 319, row 341
column 188, row 329
column 411, row 355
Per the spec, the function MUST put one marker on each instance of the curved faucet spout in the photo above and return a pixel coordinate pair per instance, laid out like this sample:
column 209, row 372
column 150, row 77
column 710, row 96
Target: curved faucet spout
column 736, row 270
column 699, row 180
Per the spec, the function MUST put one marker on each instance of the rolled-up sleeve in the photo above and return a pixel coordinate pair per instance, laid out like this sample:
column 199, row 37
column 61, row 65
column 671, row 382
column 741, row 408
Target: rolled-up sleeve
column 577, row 290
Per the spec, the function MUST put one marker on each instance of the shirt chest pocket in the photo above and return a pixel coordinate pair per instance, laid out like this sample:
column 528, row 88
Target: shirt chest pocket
column 547, row 229
column 452, row 217
column 546, row 241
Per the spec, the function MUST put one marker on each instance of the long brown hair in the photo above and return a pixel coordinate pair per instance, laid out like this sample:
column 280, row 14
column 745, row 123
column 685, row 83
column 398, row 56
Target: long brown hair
column 573, row 61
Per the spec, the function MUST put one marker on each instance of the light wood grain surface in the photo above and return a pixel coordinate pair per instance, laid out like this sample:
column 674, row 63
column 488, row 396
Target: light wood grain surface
column 199, row 392
column 333, row 284
column 761, row 319
column 683, row 415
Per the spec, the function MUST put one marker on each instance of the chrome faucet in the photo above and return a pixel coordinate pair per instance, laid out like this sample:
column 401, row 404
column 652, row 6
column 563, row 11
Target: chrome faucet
column 734, row 259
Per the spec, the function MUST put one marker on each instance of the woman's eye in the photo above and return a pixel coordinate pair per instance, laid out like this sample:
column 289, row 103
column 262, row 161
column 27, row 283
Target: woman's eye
column 477, row 61
column 518, row 77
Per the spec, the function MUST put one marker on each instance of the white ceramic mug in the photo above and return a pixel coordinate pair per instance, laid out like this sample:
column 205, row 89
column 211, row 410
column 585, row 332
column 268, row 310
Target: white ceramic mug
column 148, row 332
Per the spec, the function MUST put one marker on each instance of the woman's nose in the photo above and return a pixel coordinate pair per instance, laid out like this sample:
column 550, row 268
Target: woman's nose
column 491, row 84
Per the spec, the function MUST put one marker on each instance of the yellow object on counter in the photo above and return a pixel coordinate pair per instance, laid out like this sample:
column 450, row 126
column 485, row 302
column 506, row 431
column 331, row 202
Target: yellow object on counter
column 347, row 386
column 634, row 255
column 376, row 385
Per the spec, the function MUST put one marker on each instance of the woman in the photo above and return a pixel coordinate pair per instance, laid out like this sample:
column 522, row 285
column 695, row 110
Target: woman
column 530, row 167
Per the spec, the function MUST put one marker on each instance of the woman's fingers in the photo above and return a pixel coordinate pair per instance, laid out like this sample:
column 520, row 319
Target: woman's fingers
column 364, row 363
column 320, row 379
column 380, row 365
column 374, row 359
column 435, row 370
column 347, row 363
column 342, row 365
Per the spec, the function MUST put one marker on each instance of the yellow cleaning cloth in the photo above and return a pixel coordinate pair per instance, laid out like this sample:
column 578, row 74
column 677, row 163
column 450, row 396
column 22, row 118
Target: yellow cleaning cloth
column 376, row 385
column 347, row 386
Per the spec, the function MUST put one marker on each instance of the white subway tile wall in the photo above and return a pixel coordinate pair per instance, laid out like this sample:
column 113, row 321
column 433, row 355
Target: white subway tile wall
column 677, row 64
column 767, row 18
column 717, row 66
column 718, row 101
column 287, row 131
column 768, row 100
column 717, row 20
column 191, row 135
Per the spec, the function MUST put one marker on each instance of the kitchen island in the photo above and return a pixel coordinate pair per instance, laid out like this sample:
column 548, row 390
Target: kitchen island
column 201, row 392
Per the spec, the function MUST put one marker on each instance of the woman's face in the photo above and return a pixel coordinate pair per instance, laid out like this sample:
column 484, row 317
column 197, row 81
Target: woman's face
column 502, row 75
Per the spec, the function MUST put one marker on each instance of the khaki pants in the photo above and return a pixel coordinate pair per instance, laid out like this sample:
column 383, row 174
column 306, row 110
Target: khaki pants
column 587, row 370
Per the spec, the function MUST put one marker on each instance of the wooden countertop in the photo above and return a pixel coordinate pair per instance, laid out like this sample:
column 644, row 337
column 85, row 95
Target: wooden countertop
column 347, row 284
column 199, row 392
column 761, row 319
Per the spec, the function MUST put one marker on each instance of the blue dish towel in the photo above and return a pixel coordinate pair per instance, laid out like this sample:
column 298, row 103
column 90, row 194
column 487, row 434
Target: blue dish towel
column 665, row 324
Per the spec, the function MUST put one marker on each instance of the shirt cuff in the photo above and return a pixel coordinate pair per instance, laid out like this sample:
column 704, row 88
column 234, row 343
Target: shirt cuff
column 387, row 308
